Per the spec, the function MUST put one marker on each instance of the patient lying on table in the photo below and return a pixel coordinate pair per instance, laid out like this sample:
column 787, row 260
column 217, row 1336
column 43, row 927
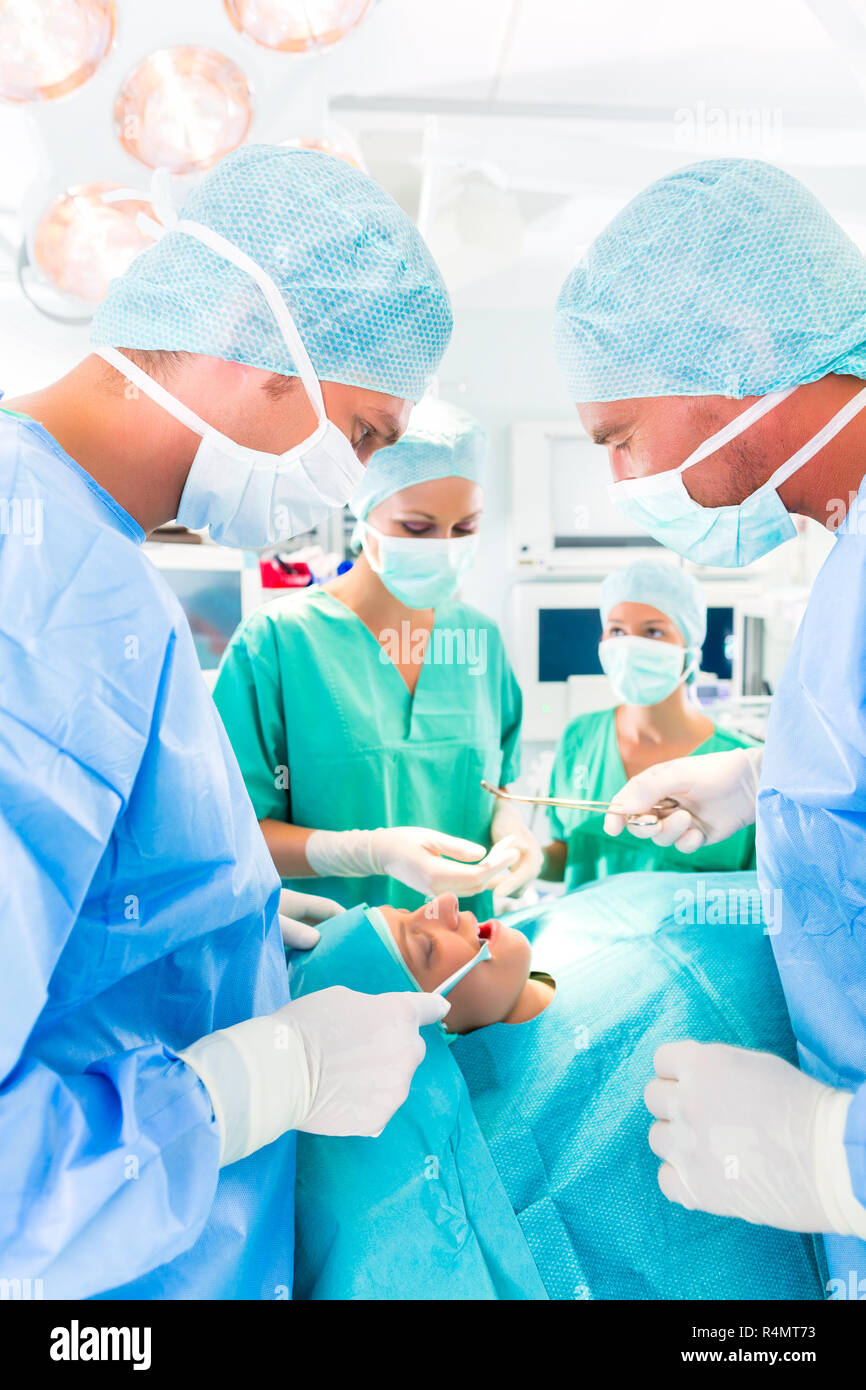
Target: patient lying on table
column 519, row 1166
column 437, row 939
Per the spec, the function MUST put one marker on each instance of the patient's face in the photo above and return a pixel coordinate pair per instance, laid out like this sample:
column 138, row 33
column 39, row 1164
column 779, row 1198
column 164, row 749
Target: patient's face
column 437, row 938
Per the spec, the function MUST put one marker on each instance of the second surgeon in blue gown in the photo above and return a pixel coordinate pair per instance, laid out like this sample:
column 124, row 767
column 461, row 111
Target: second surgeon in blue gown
column 714, row 339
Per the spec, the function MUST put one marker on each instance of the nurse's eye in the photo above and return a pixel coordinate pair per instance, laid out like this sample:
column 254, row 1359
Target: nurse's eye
column 469, row 529
column 657, row 632
column 361, row 437
column 416, row 528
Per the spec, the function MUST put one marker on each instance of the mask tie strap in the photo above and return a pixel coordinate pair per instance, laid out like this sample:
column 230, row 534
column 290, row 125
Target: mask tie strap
column 366, row 529
column 816, row 444
column 736, row 426
column 160, row 198
column 277, row 305
column 158, row 393
column 159, row 195
column 690, row 667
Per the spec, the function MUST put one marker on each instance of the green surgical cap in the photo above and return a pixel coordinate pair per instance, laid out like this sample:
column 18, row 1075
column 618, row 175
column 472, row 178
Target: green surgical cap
column 724, row 278
column 440, row 442
column 664, row 586
column 364, row 291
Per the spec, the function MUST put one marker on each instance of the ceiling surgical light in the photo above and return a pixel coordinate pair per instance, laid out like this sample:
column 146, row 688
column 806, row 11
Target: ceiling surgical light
column 81, row 243
column 183, row 109
column 295, row 26
column 50, row 47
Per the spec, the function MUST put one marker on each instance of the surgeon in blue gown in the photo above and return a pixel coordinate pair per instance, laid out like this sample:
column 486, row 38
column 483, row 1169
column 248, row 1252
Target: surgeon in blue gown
column 146, row 1115
column 714, row 340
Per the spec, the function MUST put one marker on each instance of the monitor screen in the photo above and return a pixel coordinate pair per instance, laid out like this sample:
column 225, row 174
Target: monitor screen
column 718, row 647
column 568, row 641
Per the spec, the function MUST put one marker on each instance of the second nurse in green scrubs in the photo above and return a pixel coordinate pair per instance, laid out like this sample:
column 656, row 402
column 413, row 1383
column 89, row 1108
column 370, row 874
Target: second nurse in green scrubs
column 654, row 623
column 364, row 714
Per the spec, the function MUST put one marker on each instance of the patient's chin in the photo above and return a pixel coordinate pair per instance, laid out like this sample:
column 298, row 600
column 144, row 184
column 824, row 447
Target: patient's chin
column 514, row 946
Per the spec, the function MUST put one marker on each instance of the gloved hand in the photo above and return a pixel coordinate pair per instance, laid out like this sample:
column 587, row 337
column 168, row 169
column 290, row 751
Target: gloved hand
column 508, row 827
column 412, row 854
column 746, row 1134
column 334, row 1062
column 716, row 792
column 297, row 911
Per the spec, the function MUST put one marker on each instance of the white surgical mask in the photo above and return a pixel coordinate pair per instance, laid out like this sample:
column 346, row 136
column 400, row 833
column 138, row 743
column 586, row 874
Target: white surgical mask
column 247, row 497
column 644, row 671
column 727, row 536
column 419, row 572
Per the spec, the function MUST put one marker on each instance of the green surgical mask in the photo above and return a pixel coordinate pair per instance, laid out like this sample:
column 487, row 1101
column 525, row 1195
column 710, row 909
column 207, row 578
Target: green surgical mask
column 419, row 572
column 643, row 671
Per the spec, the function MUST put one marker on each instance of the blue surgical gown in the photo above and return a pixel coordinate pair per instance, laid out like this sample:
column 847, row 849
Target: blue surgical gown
column 811, row 840
column 138, row 913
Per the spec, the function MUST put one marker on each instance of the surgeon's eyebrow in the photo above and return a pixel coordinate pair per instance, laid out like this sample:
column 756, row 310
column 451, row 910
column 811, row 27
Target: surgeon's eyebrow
column 387, row 427
column 603, row 433
column 428, row 516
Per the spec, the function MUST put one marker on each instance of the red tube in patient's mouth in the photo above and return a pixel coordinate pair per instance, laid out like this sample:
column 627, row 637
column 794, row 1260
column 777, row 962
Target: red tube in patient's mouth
column 485, row 931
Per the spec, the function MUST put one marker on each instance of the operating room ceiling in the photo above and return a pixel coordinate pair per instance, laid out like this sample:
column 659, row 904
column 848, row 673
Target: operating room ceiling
column 512, row 129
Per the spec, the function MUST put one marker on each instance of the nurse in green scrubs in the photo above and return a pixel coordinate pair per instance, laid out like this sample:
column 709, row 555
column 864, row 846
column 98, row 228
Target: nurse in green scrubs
column 364, row 714
column 654, row 623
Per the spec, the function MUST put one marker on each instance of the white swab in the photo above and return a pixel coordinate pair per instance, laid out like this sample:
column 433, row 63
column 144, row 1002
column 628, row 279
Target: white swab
column 447, row 985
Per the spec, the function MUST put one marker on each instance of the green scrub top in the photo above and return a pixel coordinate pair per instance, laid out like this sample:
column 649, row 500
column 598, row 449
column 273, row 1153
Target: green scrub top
column 588, row 766
column 328, row 735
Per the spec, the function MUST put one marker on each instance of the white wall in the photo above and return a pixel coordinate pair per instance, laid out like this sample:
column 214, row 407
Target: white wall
column 503, row 360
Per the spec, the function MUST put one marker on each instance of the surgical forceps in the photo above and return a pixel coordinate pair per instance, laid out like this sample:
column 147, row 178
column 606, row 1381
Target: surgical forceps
column 648, row 818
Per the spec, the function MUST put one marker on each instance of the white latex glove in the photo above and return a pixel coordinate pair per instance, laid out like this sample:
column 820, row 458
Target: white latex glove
column 297, row 911
column 412, row 854
column 507, row 826
column 746, row 1134
column 334, row 1062
column 716, row 791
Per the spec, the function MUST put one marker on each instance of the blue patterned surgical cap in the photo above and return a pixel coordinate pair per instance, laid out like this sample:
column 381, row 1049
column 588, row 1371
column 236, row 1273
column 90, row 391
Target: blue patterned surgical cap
column 724, row 278
column 355, row 273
